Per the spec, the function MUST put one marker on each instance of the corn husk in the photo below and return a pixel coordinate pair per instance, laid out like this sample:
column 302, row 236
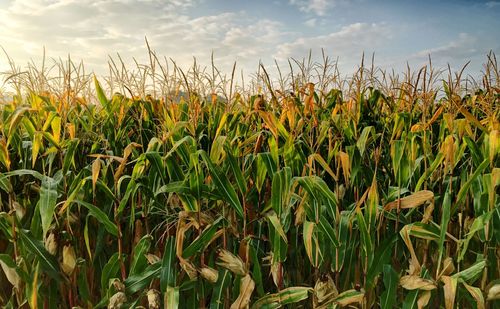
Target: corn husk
column 51, row 244
column 231, row 262
column 153, row 299
column 209, row 274
column 117, row 300
column 69, row 260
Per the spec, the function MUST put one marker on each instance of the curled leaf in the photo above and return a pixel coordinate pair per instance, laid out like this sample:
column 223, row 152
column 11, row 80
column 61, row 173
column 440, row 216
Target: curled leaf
column 411, row 201
column 413, row 282
column 247, row 286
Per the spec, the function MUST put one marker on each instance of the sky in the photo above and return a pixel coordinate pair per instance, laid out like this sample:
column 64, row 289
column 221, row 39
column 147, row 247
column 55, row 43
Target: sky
column 396, row 31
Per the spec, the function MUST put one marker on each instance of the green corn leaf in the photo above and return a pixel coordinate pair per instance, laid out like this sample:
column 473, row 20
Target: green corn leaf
column 411, row 299
column 238, row 175
column 156, row 161
column 69, row 157
column 326, row 228
column 223, row 185
column 465, row 187
column 47, row 261
column 472, row 273
column 139, row 281
column 109, row 271
column 201, row 241
column 280, row 190
column 275, row 222
column 381, row 258
column 366, row 238
column 428, row 172
column 168, row 272
column 391, row 280
column 100, row 216
column 364, row 139
column 101, row 96
column 139, row 261
column 219, row 291
column 47, row 202
column 445, row 219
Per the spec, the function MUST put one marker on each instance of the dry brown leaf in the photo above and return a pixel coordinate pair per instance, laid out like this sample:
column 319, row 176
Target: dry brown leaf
column 324, row 289
column 247, row 286
column 414, row 263
column 189, row 268
column 11, row 275
column 494, row 292
column 413, row 282
column 96, row 168
column 117, row 300
column 448, row 267
column 450, row 291
column 346, row 165
column 411, row 201
column 423, row 300
column 476, row 294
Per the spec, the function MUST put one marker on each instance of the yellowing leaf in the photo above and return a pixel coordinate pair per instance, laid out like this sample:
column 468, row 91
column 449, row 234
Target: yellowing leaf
column 346, row 165
column 416, row 199
column 71, row 130
column 4, row 154
column 34, row 290
column 494, row 144
column 413, row 282
column 96, row 168
column 56, row 128
column 476, row 294
column 35, row 148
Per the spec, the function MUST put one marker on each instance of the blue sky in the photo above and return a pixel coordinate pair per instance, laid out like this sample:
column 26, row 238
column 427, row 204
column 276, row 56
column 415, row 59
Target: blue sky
column 397, row 32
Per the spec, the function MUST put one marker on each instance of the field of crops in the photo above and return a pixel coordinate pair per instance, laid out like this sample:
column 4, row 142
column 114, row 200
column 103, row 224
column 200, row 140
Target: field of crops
column 164, row 188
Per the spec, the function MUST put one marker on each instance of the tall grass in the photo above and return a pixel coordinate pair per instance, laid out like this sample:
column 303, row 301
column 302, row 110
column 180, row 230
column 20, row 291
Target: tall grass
column 155, row 187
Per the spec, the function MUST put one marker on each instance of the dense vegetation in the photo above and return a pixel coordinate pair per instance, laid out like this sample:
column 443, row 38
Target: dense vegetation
column 185, row 189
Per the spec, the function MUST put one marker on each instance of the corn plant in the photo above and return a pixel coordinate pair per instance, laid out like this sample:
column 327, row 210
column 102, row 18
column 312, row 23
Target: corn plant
column 186, row 190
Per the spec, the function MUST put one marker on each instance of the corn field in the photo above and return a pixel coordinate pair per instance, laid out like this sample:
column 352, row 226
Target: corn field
column 156, row 187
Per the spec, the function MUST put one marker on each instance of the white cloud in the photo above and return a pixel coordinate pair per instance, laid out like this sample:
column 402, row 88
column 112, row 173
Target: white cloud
column 317, row 7
column 350, row 41
column 92, row 30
